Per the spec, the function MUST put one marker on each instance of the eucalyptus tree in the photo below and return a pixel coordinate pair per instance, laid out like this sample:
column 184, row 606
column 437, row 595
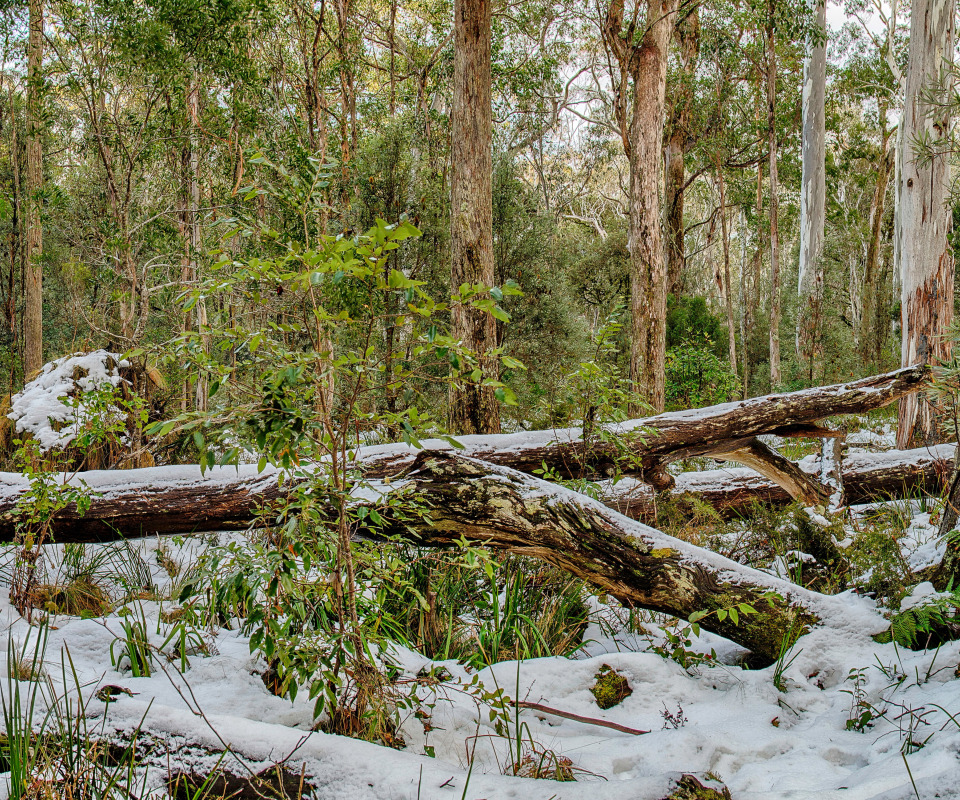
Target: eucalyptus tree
column 925, row 256
column 813, row 194
column 638, row 49
column 473, row 406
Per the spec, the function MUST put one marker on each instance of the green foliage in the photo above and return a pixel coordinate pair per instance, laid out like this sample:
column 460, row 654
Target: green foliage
column 925, row 617
column 690, row 320
column 132, row 651
column 695, row 377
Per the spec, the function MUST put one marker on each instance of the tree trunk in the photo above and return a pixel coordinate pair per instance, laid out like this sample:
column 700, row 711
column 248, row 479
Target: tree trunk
column 813, row 200
column 727, row 282
column 648, row 274
column 183, row 500
column 473, row 407
column 639, row 98
column 926, row 262
column 33, row 289
column 872, row 317
column 775, row 377
column 688, row 38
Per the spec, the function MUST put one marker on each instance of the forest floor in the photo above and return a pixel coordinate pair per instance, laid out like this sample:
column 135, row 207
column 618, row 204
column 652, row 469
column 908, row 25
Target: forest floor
column 835, row 718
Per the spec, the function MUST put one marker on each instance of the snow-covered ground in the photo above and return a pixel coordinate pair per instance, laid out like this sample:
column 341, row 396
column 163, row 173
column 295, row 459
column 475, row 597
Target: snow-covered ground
column 760, row 741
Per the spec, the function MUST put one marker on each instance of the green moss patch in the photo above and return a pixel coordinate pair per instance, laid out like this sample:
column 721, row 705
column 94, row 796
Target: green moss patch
column 611, row 688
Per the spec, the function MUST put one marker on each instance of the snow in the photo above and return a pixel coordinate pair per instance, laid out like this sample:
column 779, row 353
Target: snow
column 40, row 409
column 761, row 742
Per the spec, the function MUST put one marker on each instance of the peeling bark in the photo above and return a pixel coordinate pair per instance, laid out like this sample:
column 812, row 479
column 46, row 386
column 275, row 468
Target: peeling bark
column 926, row 262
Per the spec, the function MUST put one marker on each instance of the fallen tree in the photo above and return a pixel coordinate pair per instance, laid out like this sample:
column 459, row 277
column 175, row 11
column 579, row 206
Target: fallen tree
column 866, row 477
column 455, row 498
column 182, row 499
column 644, row 447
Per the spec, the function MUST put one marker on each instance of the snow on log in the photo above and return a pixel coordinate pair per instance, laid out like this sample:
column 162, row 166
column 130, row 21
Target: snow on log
column 656, row 441
column 508, row 510
column 181, row 499
column 867, row 477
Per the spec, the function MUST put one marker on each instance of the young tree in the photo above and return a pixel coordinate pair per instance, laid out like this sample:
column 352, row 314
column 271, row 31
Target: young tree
column 33, row 289
column 473, row 406
column 813, row 195
column 640, row 50
column 771, row 76
column 925, row 258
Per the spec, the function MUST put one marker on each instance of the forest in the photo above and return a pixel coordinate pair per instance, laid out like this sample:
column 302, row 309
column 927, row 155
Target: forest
column 479, row 399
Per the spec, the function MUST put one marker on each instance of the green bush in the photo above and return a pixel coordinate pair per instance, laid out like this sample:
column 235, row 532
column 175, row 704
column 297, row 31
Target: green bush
column 697, row 377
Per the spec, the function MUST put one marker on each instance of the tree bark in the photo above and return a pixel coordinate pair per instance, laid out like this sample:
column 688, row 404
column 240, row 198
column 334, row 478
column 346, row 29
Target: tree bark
column 727, row 281
column 813, row 198
column 926, row 261
column 871, row 335
column 642, row 59
column 33, row 289
column 180, row 499
column 473, row 407
column 688, row 38
column 644, row 447
column 771, row 65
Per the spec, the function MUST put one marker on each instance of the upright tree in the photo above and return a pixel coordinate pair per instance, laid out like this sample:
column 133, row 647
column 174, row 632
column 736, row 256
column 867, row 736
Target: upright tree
column 925, row 258
column 813, row 195
column 473, row 406
column 677, row 144
column 771, row 70
column 33, row 283
column 639, row 50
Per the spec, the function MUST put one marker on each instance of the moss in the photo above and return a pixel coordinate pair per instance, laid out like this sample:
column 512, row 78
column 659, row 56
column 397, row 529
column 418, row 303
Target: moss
column 689, row 787
column 611, row 688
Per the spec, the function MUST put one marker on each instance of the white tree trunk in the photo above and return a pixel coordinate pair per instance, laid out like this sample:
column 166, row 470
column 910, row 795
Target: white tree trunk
column 926, row 264
column 813, row 193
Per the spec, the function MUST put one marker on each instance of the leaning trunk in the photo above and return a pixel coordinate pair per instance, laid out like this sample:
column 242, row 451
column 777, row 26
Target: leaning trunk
column 926, row 261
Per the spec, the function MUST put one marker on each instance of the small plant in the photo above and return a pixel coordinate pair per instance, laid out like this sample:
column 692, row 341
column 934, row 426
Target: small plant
column 785, row 658
column 924, row 617
column 676, row 643
column 862, row 714
column 673, row 719
column 133, row 651
column 611, row 688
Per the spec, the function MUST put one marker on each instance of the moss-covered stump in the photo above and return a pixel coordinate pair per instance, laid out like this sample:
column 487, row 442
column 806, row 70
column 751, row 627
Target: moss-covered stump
column 692, row 787
column 610, row 688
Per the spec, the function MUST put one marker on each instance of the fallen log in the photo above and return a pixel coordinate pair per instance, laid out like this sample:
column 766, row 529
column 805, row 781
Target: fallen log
column 732, row 491
column 644, row 447
column 641, row 567
column 455, row 498
column 181, row 499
